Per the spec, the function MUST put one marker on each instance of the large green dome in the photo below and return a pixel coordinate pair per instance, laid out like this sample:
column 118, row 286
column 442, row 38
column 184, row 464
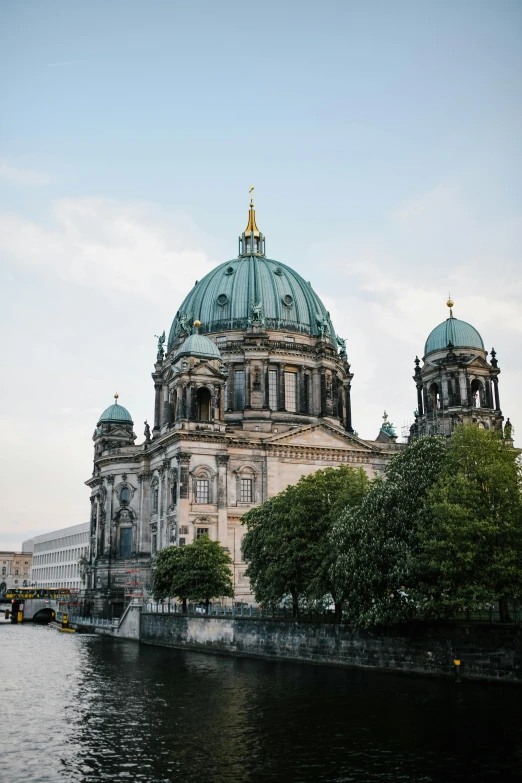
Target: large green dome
column 224, row 299
column 459, row 333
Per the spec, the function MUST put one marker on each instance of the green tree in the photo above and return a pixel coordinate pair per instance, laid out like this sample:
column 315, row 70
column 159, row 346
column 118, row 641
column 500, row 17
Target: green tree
column 472, row 533
column 287, row 544
column 170, row 575
column 207, row 571
column 377, row 543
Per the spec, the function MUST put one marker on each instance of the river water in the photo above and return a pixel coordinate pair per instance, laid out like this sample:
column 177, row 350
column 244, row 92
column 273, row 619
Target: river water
column 83, row 708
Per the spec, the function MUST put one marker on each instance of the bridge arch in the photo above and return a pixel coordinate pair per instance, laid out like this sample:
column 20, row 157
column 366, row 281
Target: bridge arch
column 44, row 615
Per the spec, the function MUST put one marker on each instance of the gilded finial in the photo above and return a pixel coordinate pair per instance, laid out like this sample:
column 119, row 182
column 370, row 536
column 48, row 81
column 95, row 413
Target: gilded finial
column 197, row 324
column 116, row 398
column 251, row 226
column 450, row 304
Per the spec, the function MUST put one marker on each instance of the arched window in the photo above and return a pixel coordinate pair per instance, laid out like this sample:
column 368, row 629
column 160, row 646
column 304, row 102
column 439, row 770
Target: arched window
column 125, row 495
column 155, row 499
column 477, row 394
column 203, row 402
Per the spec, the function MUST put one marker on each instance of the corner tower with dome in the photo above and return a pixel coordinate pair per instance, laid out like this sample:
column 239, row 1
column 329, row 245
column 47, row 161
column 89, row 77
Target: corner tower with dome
column 456, row 384
column 252, row 392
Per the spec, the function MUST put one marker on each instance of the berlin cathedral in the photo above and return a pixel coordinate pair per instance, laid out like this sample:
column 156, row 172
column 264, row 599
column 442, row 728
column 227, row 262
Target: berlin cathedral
column 252, row 391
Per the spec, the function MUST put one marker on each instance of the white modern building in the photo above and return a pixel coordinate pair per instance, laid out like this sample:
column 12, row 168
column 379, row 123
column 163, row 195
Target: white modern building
column 57, row 555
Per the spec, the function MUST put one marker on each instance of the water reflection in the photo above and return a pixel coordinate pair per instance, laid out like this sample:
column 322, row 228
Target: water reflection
column 94, row 709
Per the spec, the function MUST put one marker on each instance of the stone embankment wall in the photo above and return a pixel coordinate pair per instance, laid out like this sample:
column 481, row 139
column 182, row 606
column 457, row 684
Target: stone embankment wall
column 485, row 651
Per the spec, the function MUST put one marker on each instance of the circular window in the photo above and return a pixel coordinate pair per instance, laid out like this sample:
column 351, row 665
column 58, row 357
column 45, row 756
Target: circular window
column 222, row 300
column 229, row 270
column 278, row 271
column 288, row 301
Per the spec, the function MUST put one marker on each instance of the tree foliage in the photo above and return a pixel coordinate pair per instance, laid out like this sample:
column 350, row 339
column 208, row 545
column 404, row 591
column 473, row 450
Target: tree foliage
column 376, row 543
column 208, row 572
column 471, row 537
column 196, row 572
column 287, row 545
column 169, row 577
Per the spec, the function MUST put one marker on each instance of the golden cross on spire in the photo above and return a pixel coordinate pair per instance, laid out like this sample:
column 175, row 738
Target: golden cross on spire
column 251, row 196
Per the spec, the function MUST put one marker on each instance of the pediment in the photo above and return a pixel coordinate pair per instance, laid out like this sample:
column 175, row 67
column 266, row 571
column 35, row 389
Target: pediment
column 321, row 436
column 205, row 369
column 478, row 361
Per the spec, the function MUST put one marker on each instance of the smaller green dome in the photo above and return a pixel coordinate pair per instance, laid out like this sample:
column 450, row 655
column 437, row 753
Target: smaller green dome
column 459, row 333
column 198, row 345
column 115, row 413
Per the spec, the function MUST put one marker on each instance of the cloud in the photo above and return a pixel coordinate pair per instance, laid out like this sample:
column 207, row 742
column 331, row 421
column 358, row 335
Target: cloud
column 95, row 242
column 22, row 176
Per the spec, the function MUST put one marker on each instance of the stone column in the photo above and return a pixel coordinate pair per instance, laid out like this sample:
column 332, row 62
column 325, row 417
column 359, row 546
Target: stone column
column 419, row 400
column 281, row 388
column 300, row 391
column 323, row 392
column 495, row 390
column 348, row 408
column 427, row 404
column 184, row 488
column 109, row 532
column 191, row 401
column 231, row 387
column 462, row 388
column 179, row 402
column 159, row 534
column 167, row 417
column 157, row 407
column 316, row 391
column 265, row 384
column 222, row 498
column 247, row 383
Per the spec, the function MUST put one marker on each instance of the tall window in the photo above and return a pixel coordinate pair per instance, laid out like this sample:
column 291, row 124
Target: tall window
column 155, row 500
column 290, row 391
column 202, row 491
column 306, row 394
column 125, row 542
column 239, row 386
column 201, row 531
column 125, row 495
column 246, row 490
column 272, row 390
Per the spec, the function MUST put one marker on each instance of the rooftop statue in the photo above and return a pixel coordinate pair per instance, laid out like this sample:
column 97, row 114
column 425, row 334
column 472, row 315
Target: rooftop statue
column 161, row 343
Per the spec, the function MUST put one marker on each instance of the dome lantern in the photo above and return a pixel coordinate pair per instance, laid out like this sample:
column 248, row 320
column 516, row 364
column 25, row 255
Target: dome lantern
column 251, row 241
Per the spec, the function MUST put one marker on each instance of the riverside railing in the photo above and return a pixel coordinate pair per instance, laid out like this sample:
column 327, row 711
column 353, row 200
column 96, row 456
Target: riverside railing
column 98, row 622
column 488, row 614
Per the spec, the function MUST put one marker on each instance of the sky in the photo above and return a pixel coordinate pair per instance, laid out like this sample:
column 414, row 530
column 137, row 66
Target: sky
column 383, row 140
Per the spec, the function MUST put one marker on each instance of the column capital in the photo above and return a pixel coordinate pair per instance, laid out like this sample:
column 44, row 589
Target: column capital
column 222, row 459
